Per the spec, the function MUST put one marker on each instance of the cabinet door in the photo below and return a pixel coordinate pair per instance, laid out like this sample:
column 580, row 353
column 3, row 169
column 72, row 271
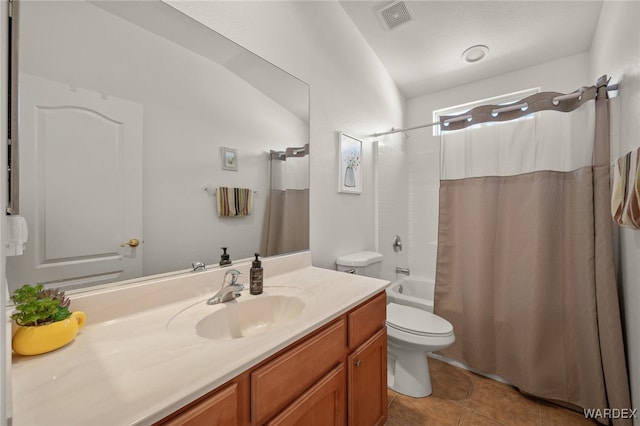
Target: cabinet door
column 219, row 409
column 322, row 405
column 367, row 382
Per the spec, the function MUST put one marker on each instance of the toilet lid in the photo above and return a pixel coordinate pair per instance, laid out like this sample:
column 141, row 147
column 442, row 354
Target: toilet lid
column 417, row 321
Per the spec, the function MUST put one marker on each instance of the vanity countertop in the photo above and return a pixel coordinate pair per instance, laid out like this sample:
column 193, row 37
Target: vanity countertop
column 130, row 369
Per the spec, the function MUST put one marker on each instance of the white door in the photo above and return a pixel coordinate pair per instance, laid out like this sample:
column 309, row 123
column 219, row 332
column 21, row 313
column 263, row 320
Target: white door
column 80, row 186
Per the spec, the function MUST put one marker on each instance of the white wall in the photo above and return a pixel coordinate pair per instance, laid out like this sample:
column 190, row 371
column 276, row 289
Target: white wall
column 191, row 106
column 616, row 52
column 393, row 202
column 564, row 75
column 350, row 91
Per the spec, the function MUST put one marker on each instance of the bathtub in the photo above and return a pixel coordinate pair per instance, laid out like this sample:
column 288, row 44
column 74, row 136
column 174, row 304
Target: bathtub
column 412, row 291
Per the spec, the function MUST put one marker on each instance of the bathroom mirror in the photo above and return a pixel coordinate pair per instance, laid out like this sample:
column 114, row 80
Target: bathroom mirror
column 127, row 112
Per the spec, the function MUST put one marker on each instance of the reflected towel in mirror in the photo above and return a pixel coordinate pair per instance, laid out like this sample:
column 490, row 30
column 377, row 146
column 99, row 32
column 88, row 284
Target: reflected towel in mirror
column 234, row 201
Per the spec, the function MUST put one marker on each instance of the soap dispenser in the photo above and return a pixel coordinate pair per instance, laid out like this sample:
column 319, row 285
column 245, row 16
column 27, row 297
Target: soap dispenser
column 224, row 257
column 255, row 276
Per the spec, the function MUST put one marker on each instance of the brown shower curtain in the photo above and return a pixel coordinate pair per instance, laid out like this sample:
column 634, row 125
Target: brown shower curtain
column 286, row 222
column 525, row 272
column 286, row 225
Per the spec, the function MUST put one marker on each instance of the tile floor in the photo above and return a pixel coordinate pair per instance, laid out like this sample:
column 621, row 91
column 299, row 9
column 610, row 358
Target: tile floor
column 464, row 398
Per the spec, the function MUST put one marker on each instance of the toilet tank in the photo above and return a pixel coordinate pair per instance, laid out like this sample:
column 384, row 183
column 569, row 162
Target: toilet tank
column 365, row 263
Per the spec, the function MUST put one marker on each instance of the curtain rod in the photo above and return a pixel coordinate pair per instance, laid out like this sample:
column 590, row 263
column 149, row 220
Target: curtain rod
column 496, row 111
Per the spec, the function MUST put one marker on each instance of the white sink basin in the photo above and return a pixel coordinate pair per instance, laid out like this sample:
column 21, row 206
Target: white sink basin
column 245, row 316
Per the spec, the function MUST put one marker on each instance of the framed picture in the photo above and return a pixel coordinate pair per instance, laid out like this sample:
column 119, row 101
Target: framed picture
column 229, row 159
column 349, row 164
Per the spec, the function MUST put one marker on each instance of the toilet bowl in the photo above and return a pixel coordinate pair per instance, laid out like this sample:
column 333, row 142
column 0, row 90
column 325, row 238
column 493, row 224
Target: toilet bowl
column 411, row 334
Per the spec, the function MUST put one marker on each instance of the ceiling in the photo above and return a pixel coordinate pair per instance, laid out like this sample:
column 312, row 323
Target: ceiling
column 424, row 55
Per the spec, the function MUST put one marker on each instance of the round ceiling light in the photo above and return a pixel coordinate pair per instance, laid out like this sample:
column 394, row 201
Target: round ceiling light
column 475, row 53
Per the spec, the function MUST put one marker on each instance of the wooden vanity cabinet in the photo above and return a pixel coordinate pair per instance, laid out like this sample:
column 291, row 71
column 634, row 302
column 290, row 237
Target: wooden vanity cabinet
column 335, row 376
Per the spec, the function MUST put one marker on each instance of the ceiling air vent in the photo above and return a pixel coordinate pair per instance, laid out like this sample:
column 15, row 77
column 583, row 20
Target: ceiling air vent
column 395, row 14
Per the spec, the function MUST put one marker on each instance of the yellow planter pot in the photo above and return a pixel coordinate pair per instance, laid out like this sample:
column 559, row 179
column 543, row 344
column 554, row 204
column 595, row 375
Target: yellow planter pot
column 34, row 340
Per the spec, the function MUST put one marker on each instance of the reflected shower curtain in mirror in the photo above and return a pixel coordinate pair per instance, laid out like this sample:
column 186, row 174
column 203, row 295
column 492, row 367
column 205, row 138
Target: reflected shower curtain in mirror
column 286, row 225
column 525, row 268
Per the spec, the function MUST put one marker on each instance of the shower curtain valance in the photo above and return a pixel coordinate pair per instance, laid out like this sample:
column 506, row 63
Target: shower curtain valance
column 289, row 152
column 501, row 109
column 546, row 101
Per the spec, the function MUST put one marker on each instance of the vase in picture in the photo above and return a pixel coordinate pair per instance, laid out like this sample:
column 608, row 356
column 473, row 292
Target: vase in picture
column 349, row 177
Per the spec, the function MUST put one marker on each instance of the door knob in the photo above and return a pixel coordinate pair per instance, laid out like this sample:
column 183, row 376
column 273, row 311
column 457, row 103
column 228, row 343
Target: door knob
column 134, row 242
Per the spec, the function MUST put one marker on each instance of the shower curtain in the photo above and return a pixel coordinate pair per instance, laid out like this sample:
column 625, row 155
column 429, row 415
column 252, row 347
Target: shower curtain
column 286, row 224
column 525, row 268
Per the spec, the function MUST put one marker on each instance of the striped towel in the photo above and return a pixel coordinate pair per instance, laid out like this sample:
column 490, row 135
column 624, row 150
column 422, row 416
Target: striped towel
column 625, row 198
column 234, row 201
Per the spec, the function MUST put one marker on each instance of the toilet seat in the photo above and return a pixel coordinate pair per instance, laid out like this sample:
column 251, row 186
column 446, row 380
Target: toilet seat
column 417, row 321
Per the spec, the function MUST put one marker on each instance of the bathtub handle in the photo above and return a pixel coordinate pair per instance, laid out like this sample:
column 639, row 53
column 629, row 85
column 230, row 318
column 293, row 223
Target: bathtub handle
column 397, row 243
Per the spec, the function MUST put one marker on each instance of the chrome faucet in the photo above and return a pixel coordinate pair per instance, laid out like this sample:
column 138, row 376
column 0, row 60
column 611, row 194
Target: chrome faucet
column 198, row 266
column 230, row 289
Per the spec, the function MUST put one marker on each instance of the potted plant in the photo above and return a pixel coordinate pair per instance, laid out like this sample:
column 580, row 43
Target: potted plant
column 44, row 320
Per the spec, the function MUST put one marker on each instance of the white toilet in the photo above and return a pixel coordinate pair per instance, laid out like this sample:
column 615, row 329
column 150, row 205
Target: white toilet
column 411, row 333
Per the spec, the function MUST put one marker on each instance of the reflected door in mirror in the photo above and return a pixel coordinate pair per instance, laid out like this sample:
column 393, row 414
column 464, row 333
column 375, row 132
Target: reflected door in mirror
column 81, row 199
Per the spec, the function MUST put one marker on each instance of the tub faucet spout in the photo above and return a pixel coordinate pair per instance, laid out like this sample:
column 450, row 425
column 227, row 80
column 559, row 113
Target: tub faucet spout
column 400, row 270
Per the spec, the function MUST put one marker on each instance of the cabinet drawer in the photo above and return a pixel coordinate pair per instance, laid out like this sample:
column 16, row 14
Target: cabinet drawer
column 367, row 319
column 278, row 382
column 323, row 404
